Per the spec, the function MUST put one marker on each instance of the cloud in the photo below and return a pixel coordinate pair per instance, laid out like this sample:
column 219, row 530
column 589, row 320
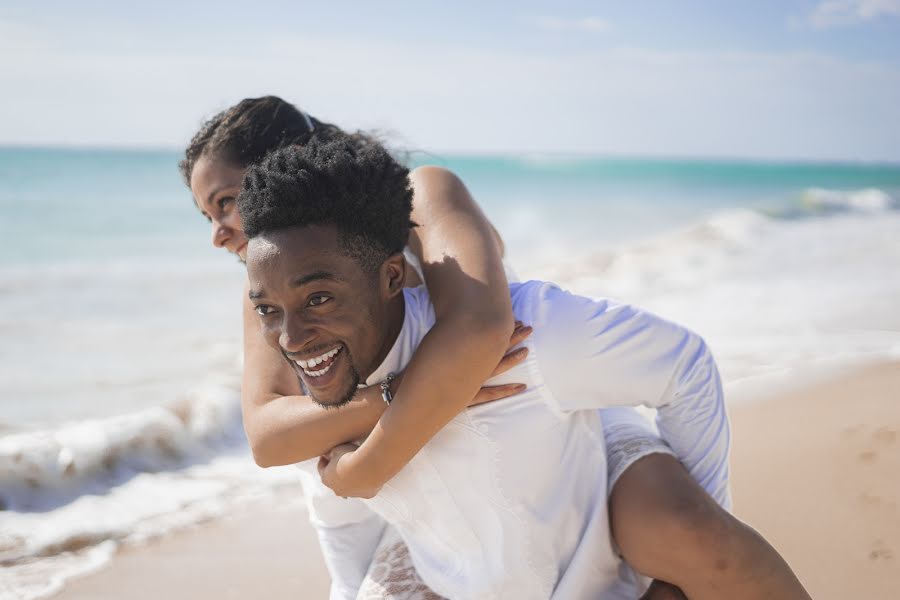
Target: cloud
column 446, row 97
column 837, row 13
column 584, row 24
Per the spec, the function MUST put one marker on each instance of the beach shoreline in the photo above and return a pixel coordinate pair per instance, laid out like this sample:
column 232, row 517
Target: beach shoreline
column 261, row 550
column 812, row 471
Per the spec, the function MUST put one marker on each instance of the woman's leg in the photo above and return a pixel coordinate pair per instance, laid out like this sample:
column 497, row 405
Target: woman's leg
column 668, row 528
column 392, row 574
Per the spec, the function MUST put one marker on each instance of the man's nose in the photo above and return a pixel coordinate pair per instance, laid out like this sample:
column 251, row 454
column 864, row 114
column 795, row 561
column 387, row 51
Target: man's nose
column 296, row 333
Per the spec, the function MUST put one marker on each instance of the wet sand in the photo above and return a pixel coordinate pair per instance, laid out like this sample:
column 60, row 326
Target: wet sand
column 261, row 552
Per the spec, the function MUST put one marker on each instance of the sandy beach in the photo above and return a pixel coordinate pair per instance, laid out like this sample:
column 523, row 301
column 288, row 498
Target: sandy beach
column 261, row 552
column 814, row 470
column 818, row 474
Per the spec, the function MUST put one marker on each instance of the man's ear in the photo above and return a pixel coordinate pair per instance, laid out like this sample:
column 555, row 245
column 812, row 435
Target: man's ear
column 393, row 274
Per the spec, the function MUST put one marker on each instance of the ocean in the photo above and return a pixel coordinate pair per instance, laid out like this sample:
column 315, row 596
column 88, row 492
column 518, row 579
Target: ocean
column 120, row 345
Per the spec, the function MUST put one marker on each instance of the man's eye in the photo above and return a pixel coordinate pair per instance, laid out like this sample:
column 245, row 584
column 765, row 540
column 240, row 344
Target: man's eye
column 263, row 310
column 225, row 201
column 318, row 300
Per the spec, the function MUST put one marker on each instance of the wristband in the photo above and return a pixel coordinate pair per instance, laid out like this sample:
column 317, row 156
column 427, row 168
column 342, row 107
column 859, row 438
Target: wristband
column 386, row 388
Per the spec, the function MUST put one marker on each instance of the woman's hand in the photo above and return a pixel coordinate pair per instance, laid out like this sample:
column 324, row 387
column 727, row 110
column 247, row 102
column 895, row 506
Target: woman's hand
column 660, row 590
column 336, row 468
column 509, row 360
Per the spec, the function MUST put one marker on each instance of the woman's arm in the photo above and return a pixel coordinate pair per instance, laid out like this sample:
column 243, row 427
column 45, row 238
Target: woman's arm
column 462, row 263
column 285, row 427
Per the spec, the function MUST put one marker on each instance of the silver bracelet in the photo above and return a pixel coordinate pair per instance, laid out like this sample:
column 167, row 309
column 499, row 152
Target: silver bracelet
column 386, row 388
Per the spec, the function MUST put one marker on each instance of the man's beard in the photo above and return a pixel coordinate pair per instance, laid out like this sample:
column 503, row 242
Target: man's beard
column 353, row 383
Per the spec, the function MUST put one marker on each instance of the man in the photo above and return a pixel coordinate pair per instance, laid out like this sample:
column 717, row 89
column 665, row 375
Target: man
column 508, row 500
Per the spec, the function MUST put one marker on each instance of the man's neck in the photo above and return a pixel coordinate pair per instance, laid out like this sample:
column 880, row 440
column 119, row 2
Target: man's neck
column 396, row 312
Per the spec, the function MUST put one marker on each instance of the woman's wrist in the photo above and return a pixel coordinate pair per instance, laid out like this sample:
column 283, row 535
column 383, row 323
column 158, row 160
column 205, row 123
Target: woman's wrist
column 395, row 383
column 360, row 468
column 363, row 467
column 372, row 393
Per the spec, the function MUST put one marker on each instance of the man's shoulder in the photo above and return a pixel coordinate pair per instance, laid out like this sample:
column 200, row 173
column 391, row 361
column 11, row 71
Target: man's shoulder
column 418, row 305
column 537, row 301
column 520, row 291
column 530, row 300
column 526, row 295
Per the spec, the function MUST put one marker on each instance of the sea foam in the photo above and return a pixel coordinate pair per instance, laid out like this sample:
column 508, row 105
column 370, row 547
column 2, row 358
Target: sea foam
column 72, row 494
column 41, row 469
column 771, row 290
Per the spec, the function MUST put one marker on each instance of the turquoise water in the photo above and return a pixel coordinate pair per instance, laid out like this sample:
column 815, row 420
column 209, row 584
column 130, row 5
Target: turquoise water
column 715, row 174
column 66, row 205
column 59, row 205
column 630, row 195
column 610, row 200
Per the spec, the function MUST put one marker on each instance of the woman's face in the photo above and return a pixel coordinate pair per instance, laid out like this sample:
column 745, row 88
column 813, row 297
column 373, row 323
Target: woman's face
column 215, row 185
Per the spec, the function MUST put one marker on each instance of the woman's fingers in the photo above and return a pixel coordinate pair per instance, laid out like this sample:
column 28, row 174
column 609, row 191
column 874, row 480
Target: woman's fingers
column 660, row 590
column 496, row 392
column 519, row 334
column 509, row 361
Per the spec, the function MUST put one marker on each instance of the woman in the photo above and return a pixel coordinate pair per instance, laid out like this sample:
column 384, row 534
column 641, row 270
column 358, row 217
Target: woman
column 652, row 503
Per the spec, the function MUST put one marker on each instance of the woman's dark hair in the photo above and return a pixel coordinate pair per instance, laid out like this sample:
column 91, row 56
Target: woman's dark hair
column 245, row 133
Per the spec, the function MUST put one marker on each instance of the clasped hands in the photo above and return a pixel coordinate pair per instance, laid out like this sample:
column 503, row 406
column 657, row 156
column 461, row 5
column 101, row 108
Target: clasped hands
column 336, row 471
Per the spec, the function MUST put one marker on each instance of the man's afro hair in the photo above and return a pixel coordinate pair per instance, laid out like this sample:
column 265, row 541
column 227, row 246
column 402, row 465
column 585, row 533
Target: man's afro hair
column 349, row 182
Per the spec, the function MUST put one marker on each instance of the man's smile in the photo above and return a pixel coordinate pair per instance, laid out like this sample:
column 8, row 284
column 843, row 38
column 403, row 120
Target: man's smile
column 316, row 371
column 309, row 365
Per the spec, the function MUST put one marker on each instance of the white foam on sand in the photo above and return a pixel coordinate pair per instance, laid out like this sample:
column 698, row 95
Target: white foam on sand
column 45, row 577
column 74, row 493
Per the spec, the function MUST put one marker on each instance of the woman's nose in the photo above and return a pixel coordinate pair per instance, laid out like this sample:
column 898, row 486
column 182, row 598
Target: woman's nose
column 220, row 234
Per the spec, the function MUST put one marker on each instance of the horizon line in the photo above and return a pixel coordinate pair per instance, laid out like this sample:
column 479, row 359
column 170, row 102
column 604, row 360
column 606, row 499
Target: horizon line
column 504, row 153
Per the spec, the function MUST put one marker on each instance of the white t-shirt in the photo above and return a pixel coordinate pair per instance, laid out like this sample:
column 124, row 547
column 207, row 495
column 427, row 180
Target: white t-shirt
column 509, row 500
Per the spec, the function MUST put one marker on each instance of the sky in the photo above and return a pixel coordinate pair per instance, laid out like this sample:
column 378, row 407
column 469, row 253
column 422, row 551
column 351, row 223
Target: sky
column 791, row 79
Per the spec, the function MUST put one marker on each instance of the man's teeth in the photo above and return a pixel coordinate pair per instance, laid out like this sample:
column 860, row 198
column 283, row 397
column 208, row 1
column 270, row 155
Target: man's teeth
column 318, row 373
column 307, row 365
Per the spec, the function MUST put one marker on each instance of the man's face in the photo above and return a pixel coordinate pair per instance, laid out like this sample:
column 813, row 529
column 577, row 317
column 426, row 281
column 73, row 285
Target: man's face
column 320, row 308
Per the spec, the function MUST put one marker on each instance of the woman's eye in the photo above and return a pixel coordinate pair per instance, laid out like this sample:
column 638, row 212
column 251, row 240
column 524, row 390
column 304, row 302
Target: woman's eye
column 263, row 310
column 318, row 300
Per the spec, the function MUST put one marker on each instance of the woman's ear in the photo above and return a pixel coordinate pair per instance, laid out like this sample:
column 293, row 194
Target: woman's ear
column 393, row 274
